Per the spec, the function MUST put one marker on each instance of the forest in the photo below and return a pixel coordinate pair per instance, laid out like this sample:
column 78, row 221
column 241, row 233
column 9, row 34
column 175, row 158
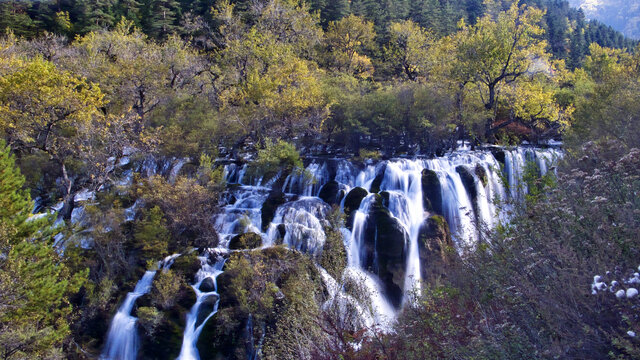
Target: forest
column 202, row 172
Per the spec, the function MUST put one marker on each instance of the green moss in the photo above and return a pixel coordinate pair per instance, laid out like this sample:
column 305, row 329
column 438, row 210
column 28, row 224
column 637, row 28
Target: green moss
column 481, row 174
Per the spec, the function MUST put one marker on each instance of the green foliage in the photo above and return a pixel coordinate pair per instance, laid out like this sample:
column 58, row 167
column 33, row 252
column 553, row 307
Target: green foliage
column 152, row 236
column 149, row 318
column 165, row 288
column 35, row 285
column 334, row 257
column 276, row 156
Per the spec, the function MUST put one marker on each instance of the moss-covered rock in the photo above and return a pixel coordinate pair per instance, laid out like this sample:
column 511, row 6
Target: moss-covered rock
column 292, row 285
column 353, row 200
column 436, row 249
column 481, row 173
column 187, row 265
column 166, row 341
column 431, row 191
column 330, row 193
column 245, row 241
column 269, row 207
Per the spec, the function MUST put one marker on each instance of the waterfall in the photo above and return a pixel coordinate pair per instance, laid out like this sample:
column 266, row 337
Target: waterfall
column 470, row 185
column 122, row 339
column 194, row 327
column 402, row 179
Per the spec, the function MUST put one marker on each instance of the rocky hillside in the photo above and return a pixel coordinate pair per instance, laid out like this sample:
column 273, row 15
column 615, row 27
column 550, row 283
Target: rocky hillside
column 622, row 15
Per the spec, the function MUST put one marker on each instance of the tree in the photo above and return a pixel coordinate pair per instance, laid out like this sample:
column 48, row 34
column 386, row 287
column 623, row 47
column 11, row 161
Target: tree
column 408, row 48
column 496, row 52
column 151, row 235
column 54, row 112
column 162, row 18
column 345, row 39
column 35, row 286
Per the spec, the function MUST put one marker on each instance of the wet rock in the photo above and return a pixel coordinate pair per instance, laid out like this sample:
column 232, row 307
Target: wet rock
column 330, row 193
column 385, row 249
column 375, row 185
column 468, row 181
column 481, row 173
column 498, row 154
column 245, row 241
column 207, row 285
column 431, row 191
column 353, row 200
column 436, row 249
column 271, row 204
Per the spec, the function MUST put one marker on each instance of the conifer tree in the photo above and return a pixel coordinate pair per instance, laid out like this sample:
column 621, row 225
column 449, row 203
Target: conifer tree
column 163, row 17
column 35, row 285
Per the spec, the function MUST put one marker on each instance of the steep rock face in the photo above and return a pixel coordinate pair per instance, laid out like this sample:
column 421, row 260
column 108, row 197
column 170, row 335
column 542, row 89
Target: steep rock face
column 437, row 251
column 498, row 154
column 385, row 249
column 468, row 181
column 431, row 191
column 245, row 241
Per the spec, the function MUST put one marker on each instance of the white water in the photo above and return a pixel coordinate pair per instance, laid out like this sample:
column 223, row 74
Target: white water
column 193, row 328
column 122, row 339
column 403, row 180
column 304, row 216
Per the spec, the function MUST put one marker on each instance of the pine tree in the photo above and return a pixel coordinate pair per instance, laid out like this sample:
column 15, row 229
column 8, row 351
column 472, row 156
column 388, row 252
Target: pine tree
column 96, row 15
column 334, row 10
column 35, row 285
column 163, row 17
column 15, row 203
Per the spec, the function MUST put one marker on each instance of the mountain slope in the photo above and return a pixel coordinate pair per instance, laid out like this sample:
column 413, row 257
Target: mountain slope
column 622, row 15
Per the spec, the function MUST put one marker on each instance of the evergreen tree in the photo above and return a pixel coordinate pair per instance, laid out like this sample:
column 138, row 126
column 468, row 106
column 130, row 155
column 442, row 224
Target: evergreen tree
column 163, row 17
column 578, row 43
column 334, row 10
column 129, row 9
column 95, row 15
column 35, row 285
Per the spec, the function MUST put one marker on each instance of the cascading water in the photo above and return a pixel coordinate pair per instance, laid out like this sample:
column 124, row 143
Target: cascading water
column 122, row 340
column 194, row 326
column 470, row 185
column 402, row 179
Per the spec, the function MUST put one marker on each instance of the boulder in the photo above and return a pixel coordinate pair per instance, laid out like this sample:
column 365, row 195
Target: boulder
column 269, row 207
column 330, row 193
column 245, row 241
column 431, row 192
column 353, row 200
column 436, row 249
column 207, row 285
